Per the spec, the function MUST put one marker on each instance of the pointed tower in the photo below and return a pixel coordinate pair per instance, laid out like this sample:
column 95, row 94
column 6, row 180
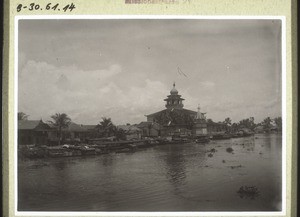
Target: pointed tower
column 199, row 115
column 174, row 101
column 200, row 126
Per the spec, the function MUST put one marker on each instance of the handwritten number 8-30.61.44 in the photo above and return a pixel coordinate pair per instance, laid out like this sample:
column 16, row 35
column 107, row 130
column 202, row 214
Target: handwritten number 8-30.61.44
column 49, row 6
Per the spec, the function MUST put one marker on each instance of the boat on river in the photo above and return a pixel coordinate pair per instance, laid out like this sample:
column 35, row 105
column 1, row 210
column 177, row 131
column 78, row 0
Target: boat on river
column 202, row 139
column 220, row 136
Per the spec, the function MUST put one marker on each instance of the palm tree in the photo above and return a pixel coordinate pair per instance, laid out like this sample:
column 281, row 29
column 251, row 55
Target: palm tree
column 247, row 123
column 267, row 123
column 107, row 126
column 234, row 127
column 22, row 116
column 278, row 122
column 252, row 124
column 227, row 121
column 60, row 121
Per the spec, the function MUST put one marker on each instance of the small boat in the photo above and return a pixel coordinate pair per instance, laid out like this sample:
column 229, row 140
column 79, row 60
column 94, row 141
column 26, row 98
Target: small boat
column 86, row 150
column 221, row 136
column 202, row 139
column 240, row 135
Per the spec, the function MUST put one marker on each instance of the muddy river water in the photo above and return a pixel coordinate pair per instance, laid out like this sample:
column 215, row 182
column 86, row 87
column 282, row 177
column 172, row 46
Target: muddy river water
column 175, row 177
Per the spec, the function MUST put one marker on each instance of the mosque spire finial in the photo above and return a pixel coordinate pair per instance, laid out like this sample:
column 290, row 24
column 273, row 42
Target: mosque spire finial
column 174, row 91
column 199, row 115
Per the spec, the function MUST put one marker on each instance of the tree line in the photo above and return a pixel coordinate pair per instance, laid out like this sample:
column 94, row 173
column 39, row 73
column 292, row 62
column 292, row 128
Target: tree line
column 267, row 123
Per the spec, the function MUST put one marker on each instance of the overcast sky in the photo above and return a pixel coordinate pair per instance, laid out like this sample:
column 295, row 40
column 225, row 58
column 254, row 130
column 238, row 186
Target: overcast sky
column 123, row 69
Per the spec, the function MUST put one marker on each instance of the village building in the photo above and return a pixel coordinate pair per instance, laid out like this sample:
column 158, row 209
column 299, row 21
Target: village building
column 132, row 132
column 37, row 132
column 78, row 132
column 150, row 129
column 71, row 134
column 174, row 103
column 175, row 119
column 200, row 125
column 32, row 132
column 216, row 128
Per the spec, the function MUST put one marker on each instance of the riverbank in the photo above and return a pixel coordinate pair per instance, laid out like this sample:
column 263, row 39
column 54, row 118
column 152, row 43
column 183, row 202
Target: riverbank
column 94, row 147
column 84, row 149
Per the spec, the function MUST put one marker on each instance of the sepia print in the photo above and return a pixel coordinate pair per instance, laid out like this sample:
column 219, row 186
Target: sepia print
column 150, row 115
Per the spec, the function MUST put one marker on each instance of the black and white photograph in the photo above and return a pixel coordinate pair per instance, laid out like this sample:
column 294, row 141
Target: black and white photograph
column 150, row 115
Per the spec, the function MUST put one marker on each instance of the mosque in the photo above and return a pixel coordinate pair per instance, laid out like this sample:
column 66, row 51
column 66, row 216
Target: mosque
column 177, row 120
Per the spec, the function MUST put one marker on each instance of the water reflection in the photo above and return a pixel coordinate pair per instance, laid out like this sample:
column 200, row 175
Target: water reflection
column 267, row 142
column 60, row 165
column 175, row 165
column 107, row 160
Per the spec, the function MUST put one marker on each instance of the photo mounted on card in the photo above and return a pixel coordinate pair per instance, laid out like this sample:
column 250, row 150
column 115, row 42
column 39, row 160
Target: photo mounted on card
column 149, row 115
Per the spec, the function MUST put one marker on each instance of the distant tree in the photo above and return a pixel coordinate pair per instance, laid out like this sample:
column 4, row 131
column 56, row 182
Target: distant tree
column 60, row 121
column 234, row 127
column 267, row 123
column 278, row 122
column 119, row 133
column 22, row 116
column 247, row 123
column 243, row 123
column 252, row 124
column 107, row 126
column 209, row 121
column 227, row 121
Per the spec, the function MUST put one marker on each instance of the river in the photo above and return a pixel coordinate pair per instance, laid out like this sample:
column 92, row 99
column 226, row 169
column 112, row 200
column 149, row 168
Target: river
column 177, row 177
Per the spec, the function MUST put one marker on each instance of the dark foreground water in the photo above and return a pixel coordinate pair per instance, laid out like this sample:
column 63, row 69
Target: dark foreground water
column 178, row 177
